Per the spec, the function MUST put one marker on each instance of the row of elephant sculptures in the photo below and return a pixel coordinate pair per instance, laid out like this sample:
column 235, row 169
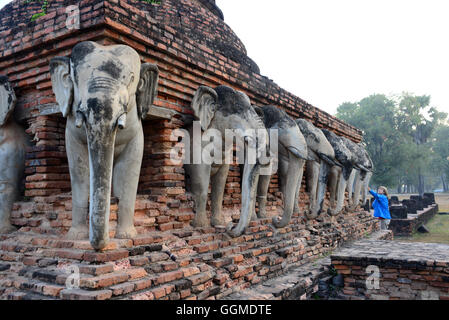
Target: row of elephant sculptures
column 105, row 92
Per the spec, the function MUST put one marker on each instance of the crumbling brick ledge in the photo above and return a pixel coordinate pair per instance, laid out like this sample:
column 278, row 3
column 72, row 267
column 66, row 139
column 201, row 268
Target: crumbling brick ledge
column 210, row 264
column 406, row 227
column 300, row 283
column 389, row 270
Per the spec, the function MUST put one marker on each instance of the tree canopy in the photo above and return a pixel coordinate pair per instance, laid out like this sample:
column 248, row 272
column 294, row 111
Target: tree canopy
column 407, row 139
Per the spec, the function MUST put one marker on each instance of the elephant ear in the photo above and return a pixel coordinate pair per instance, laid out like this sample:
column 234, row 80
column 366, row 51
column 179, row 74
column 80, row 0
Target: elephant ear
column 204, row 105
column 62, row 83
column 147, row 88
column 7, row 100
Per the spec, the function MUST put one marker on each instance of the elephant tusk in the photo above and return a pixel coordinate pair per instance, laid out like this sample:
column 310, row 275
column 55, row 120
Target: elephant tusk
column 297, row 153
column 330, row 161
column 79, row 120
column 122, row 121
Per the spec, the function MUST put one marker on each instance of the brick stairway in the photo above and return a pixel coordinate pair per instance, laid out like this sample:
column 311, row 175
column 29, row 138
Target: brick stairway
column 209, row 265
column 300, row 283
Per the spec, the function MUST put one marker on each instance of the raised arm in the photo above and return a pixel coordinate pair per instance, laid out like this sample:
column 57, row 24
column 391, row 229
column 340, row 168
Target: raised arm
column 374, row 194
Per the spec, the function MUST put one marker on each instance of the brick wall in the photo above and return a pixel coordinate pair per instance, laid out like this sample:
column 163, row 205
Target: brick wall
column 405, row 271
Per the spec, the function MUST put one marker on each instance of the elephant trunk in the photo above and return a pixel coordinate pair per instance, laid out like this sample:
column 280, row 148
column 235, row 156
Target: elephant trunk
column 249, row 185
column 357, row 189
column 295, row 170
column 365, row 186
column 101, row 161
column 350, row 186
column 321, row 192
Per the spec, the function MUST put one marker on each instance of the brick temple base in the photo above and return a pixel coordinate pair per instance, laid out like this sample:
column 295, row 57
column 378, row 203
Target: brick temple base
column 209, row 265
column 387, row 270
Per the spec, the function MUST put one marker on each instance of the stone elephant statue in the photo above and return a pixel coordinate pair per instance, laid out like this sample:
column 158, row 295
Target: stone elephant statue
column 321, row 157
column 339, row 174
column 356, row 167
column 220, row 110
column 105, row 92
column 13, row 143
column 361, row 174
column 292, row 152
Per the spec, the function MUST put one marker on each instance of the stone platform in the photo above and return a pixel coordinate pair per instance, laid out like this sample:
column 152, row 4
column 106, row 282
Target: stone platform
column 403, row 271
column 300, row 283
column 209, row 265
column 406, row 227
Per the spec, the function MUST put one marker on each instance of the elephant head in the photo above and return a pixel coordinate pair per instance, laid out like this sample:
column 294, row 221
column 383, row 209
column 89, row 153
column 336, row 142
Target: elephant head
column 343, row 154
column 317, row 144
column 7, row 100
column 104, row 91
column 292, row 155
column 224, row 109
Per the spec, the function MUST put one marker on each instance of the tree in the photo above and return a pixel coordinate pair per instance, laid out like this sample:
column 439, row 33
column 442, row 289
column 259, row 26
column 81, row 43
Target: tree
column 376, row 117
column 401, row 138
column 417, row 120
column 440, row 159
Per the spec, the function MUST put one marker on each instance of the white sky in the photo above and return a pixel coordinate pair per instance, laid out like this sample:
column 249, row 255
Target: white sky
column 328, row 52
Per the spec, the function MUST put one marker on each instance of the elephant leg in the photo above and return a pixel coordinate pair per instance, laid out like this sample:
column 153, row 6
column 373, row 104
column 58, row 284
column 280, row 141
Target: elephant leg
column 125, row 182
column 78, row 159
column 350, row 186
column 313, row 169
column 218, row 184
column 357, row 189
column 8, row 194
column 366, row 182
column 322, row 183
column 199, row 177
column 262, row 191
column 334, row 175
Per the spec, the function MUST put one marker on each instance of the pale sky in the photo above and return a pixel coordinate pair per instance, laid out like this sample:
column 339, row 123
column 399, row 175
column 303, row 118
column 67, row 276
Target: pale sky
column 328, row 52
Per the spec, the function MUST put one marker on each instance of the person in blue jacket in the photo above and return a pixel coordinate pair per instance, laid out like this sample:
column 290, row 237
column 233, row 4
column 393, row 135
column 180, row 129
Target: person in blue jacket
column 380, row 205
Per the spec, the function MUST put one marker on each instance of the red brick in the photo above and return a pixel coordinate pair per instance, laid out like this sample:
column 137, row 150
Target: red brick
column 103, row 281
column 78, row 294
column 169, row 276
column 136, row 273
column 105, row 256
column 123, row 288
column 142, row 284
column 96, row 270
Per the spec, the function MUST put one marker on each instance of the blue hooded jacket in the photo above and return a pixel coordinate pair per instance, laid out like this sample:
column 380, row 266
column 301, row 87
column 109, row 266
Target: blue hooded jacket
column 380, row 206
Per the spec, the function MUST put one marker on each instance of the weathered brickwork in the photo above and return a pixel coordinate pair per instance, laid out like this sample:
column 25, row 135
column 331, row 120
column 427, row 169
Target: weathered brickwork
column 189, row 51
column 407, row 271
column 192, row 46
